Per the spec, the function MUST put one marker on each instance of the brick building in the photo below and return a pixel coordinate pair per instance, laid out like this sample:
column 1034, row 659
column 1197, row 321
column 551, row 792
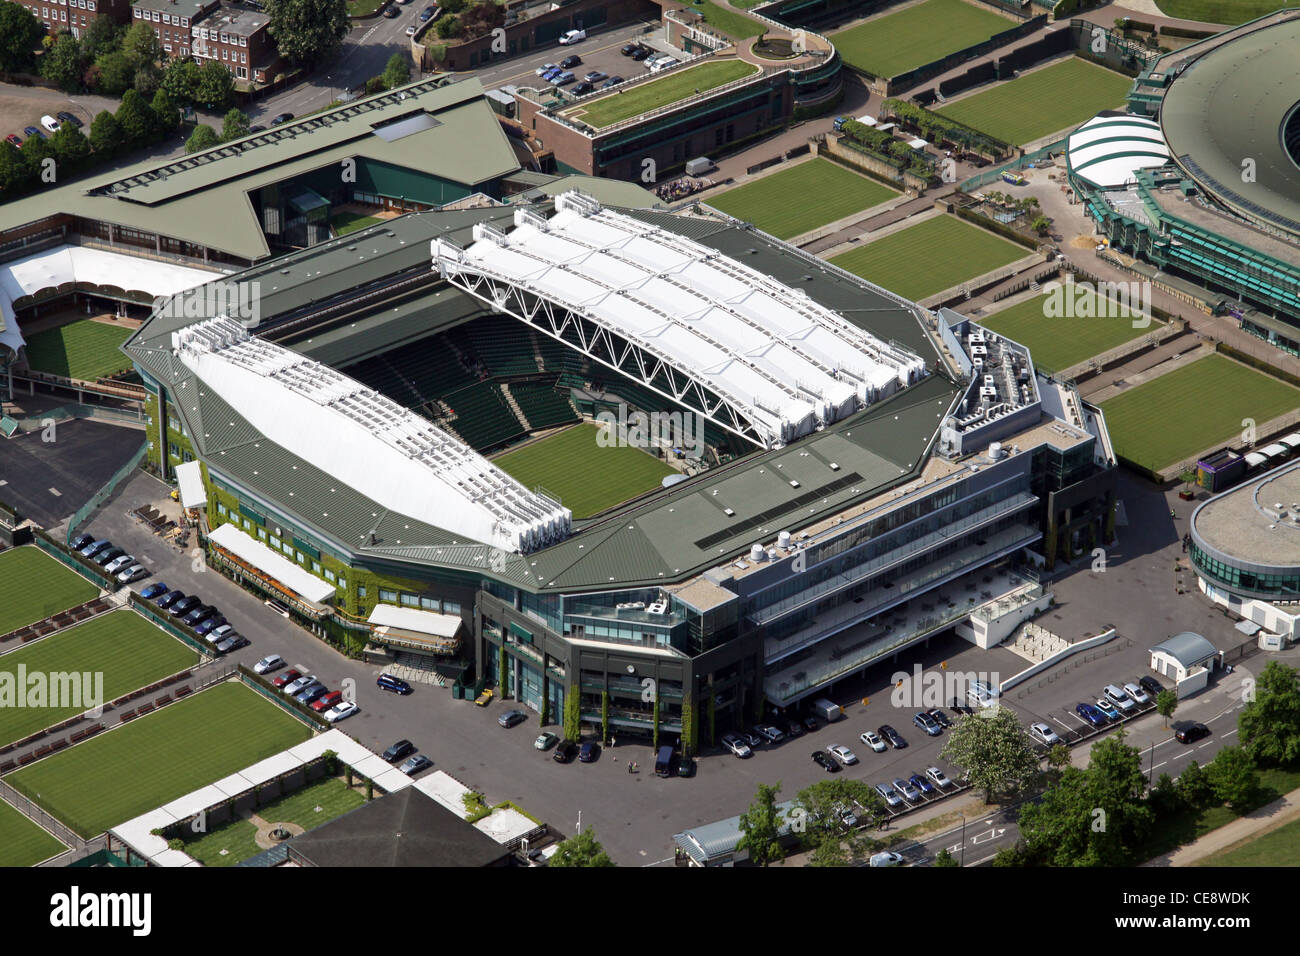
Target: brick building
column 238, row 38
column 75, row 15
column 172, row 21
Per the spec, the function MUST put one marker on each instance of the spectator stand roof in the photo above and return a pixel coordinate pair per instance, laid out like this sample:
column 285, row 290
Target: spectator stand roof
column 1110, row 148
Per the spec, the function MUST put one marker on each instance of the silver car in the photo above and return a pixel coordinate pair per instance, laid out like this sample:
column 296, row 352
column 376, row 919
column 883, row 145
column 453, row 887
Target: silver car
column 889, row 795
column 1044, row 734
column 907, row 790
column 737, row 746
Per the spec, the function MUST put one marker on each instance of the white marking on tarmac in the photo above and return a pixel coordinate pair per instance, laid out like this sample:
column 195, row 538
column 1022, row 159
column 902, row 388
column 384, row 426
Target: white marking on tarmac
column 56, row 492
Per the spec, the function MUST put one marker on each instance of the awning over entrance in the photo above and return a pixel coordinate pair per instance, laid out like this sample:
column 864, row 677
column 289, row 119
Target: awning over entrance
column 420, row 630
column 273, row 565
column 190, row 480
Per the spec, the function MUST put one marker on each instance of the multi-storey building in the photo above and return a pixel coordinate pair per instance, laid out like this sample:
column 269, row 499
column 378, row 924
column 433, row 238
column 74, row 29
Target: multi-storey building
column 238, row 39
column 172, row 21
column 75, row 16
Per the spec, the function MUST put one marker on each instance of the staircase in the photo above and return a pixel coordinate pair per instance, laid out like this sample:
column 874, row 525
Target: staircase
column 514, row 406
column 1035, row 643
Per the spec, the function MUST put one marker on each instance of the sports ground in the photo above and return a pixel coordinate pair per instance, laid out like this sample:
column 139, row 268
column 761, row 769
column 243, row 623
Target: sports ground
column 133, row 768
column 916, row 36
column 34, row 586
column 128, row 651
column 675, row 85
column 83, row 349
column 802, row 198
column 930, row 257
column 1230, row 12
column 1192, row 408
column 1042, row 102
column 584, row 476
column 1058, row 342
column 23, row 843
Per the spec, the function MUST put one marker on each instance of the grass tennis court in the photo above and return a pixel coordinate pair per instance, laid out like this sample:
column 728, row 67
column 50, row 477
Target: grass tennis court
column 1058, row 342
column 1044, row 101
column 1192, row 408
column 119, row 775
column 34, row 586
column 675, row 85
column 23, row 843
column 345, row 222
column 801, row 198
column 1230, row 12
column 235, row 841
column 724, row 20
column 122, row 646
column 916, row 36
column 84, row 349
column 586, row 477
column 930, row 257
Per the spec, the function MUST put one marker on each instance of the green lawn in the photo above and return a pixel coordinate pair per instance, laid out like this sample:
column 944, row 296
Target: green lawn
column 122, row 648
column 930, row 257
column 1045, row 101
column 238, row 838
column 23, row 843
column 1057, row 342
column 910, row 38
column 676, row 84
column 1281, row 847
column 1191, row 408
column 1230, row 12
column 1174, row 830
column 111, row 778
column 345, row 222
column 34, row 586
column 566, row 465
column 83, row 349
column 727, row 21
column 801, row 198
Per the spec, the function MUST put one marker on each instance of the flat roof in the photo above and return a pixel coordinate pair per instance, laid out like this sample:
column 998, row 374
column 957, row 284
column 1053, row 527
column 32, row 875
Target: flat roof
column 276, row 565
column 177, row 8
column 1246, row 524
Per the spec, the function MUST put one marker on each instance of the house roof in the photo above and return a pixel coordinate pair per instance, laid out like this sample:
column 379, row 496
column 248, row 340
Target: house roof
column 1188, row 648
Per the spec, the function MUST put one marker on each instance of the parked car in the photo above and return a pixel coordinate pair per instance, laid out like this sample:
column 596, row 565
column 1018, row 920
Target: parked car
column 414, row 765
column 1191, row 733
column 570, row 61
column 220, row 631
column 565, row 751
column 282, row 118
column 843, row 754
column 641, row 53
column 1091, row 714
column 794, row 729
column 588, row 751
column 927, row 723
column 886, row 858
column 874, row 741
column 210, row 625
column 892, row 736
column 737, row 746
column 485, row 698
column 287, row 678
column 268, row 663
column 153, row 590
column 118, row 563
column 81, row 540
column 512, row 717
column 755, row 740
column 392, row 13
column 392, row 684
column 16, row 141
column 34, row 131
column 1151, row 685
column 231, row 642
column 1044, row 734
column 426, row 14
column 552, row 73
column 573, row 36
column 663, row 63
column 200, row 613
column 938, row 778
column 942, row 719
column 410, row 31
column 327, row 700
column 908, row 791
column 291, row 689
column 889, row 795
column 311, row 693
column 773, row 734
column 1139, row 695
column 184, row 606
column 582, row 89
column 823, row 760
column 612, row 81
column 563, row 78
column 169, row 599
column 403, row 748
column 546, row 68
column 107, row 555
column 595, row 76
column 847, row 818
column 685, row 766
column 921, row 784
column 92, row 549
column 340, row 711
column 546, row 741
column 66, row 117
column 629, row 48
column 981, row 693
column 132, row 573
column 1107, row 708
column 811, row 724
column 1119, row 698
column 50, row 123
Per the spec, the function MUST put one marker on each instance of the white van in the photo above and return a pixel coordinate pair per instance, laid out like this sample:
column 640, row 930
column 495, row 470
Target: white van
column 982, row 694
column 1119, row 698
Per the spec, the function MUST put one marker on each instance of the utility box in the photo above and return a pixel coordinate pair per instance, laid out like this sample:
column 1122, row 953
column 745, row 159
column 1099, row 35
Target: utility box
column 699, row 166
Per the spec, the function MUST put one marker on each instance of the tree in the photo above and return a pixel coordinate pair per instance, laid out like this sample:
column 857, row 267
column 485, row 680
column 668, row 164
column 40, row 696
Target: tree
column 141, row 46
column 216, row 86
column 115, row 72
column 944, row 858
column 14, row 172
column 453, row 6
column 993, row 750
column 398, row 71
column 71, row 148
column 181, row 81
column 307, row 32
column 582, row 849
column 20, row 34
column 1195, row 785
column 572, row 717
column 1041, row 225
column 1233, row 775
column 165, row 112
column 817, row 818
column 482, row 18
column 1269, row 725
column 760, row 825
column 448, row 26
column 203, row 137
column 148, row 79
column 1166, row 704
column 103, row 35
column 604, row 715
column 106, row 134
column 35, row 152
column 64, row 63
column 136, row 119
column 690, row 734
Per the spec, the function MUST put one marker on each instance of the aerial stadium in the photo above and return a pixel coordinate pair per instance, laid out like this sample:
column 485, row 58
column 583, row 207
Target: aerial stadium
column 1197, row 185
column 871, row 474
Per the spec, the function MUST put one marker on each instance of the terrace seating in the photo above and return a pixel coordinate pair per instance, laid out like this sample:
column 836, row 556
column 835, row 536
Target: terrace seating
column 542, row 405
column 483, row 419
column 503, row 346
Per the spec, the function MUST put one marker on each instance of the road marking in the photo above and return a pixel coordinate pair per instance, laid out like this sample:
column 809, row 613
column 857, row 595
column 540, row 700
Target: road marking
column 56, row 492
column 1228, row 734
column 1204, row 745
column 1185, row 753
column 1159, row 765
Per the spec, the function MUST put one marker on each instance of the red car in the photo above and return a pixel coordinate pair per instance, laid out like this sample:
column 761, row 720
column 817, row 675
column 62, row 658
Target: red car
column 288, row 677
column 325, row 702
column 15, row 139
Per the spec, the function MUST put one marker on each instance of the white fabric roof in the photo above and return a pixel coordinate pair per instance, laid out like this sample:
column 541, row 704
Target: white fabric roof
column 411, row 619
column 1108, row 150
column 783, row 361
column 366, row 441
column 445, row 790
column 505, row 824
column 64, row 264
column 190, row 479
column 272, row 563
column 917, row 143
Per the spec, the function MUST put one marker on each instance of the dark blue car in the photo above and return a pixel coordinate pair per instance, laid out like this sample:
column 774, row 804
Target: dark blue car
column 921, row 783
column 1091, row 714
column 153, row 590
column 171, row 597
column 204, row 626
